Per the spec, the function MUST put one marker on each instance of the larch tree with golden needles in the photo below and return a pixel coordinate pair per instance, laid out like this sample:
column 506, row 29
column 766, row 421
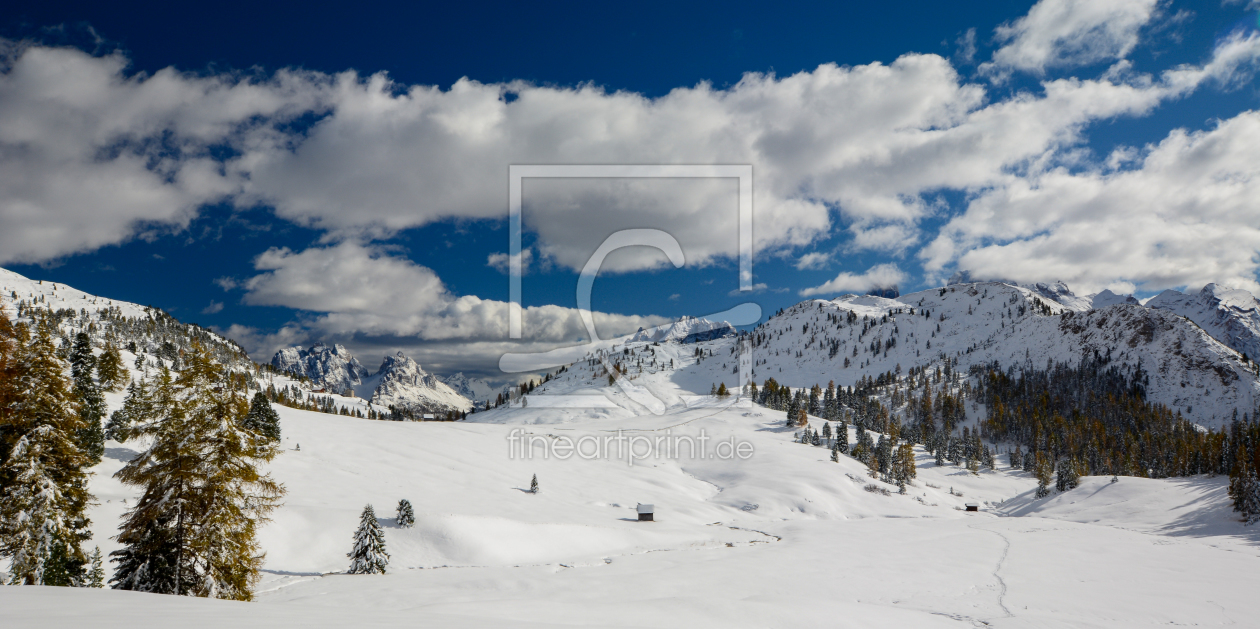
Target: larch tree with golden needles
column 44, row 494
column 193, row 532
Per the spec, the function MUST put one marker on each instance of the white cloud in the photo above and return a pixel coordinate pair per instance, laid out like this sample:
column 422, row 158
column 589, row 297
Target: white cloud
column 226, row 283
column 215, row 306
column 501, row 262
column 1183, row 214
column 878, row 276
column 90, row 156
column 357, row 289
column 813, row 261
column 1069, row 33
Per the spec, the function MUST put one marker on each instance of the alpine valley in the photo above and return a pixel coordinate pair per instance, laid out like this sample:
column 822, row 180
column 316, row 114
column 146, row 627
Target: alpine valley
column 954, row 457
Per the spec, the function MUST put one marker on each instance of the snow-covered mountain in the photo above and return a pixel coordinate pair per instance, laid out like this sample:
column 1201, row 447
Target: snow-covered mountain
column 399, row 382
column 333, row 368
column 1108, row 298
column 405, row 385
column 685, row 330
column 979, row 323
column 137, row 330
column 475, row 389
column 1232, row 316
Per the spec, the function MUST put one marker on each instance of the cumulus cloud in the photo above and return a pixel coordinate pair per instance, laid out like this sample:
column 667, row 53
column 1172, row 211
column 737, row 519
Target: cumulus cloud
column 878, row 276
column 1069, row 33
column 90, row 156
column 1181, row 214
column 813, row 261
column 215, row 306
column 357, row 289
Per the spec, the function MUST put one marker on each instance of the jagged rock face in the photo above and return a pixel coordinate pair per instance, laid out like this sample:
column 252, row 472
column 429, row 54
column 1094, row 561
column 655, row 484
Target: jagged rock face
column 1232, row 316
column 686, row 330
column 405, row 385
column 474, row 389
column 333, row 368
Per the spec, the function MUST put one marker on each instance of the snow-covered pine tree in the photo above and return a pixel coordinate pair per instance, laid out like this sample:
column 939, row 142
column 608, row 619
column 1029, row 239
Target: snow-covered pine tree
column 1043, row 470
column 406, row 515
column 793, row 409
column 1067, row 477
column 835, row 453
column 368, row 556
column 137, row 408
column 96, row 571
column 9, row 375
column 262, row 419
column 92, row 408
column 146, row 562
column 533, row 485
column 201, row 479
column 42, row 503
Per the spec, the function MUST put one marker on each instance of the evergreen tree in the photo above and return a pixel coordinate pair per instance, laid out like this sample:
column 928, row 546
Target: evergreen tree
column 11, row 368
column 533, row 485
column 91, row 436
column 1067, row 477
column 793, row 410
column 406, row 515
column 842, row 437
column 368, row 556
column 203, row 494
column 835, row 453
column 262, row 419
column 96, row 571
column 1042, row 470
column 137, row 408
column 110, row 370
column 43, row 502
column 146, row 562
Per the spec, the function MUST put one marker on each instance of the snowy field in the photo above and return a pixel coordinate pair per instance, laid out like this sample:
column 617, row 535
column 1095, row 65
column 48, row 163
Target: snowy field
column 784, row 537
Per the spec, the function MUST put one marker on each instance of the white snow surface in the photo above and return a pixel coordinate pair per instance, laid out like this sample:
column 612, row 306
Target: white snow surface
column 975, row 324
column 685, row 330
column 782, row 538
column 1228, row 314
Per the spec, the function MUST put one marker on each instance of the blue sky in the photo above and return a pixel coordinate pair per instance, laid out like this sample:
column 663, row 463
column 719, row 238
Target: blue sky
column 290, row 175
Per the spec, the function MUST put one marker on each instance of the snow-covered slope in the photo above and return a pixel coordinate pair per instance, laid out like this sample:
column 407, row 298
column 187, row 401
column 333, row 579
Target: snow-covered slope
column 333, row 368
column 825, row 549
column 975, row 324
column 686, row 330
column 475, row 389
column 405, row 385
column 1108, row 298
column 153, row 332
column 1232, row 316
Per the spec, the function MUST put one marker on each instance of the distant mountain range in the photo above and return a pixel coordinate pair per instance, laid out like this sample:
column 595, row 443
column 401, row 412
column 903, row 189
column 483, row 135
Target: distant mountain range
column 399, row 382
column 1197, row 349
